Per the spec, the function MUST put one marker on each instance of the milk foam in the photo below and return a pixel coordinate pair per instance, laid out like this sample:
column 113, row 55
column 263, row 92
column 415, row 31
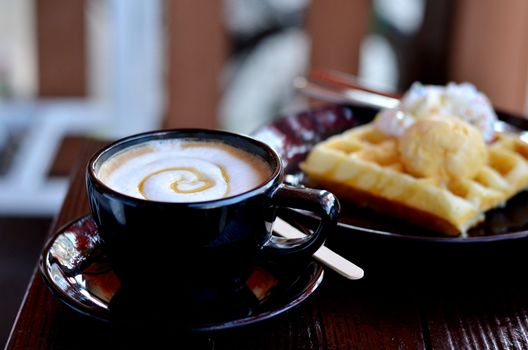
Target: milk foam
column 182, row 171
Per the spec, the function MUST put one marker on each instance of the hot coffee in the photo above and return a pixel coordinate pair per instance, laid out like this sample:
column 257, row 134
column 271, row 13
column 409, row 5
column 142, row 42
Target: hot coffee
column 213, row 198
column 183, row 171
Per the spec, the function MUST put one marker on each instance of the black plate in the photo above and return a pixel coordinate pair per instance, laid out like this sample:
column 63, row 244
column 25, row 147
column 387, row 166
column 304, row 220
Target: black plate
column 74, row 265
column 388, row 249
column 294, row 136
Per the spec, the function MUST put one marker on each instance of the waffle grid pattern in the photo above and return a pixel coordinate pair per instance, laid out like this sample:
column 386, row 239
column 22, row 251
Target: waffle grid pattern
column 363, row 165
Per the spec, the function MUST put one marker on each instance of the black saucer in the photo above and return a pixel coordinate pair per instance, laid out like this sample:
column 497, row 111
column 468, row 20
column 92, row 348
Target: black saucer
column 74, row 265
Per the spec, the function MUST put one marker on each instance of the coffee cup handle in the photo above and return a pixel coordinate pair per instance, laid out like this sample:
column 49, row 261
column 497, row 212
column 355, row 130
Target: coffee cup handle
column 322, row 203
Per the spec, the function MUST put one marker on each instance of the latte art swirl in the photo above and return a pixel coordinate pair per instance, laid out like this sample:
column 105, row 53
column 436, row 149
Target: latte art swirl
column 185, row 183
column 180, row 171
column 188, row 180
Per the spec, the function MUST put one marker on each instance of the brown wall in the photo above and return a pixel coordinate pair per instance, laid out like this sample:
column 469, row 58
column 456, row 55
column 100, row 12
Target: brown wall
column 490, row 49
column 197, row 48
column 336, row 29
column 60, row 30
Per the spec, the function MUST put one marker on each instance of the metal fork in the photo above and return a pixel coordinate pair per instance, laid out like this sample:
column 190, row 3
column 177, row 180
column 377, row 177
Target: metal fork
column 339, row 93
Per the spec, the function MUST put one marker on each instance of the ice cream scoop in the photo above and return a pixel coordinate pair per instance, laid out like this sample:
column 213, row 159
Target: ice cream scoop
column 442, row 147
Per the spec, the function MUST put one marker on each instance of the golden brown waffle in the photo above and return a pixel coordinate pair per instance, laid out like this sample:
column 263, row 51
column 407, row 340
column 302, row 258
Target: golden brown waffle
column 363, row 165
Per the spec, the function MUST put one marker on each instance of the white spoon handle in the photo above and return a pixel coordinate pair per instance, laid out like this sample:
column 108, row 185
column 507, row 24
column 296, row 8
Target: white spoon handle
column 324, row 255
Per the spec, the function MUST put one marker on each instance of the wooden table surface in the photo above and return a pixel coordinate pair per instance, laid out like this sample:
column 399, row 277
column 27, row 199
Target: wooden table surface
column 397, row 306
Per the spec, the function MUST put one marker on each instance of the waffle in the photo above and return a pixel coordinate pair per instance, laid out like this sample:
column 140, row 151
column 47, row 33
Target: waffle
column 363, row 165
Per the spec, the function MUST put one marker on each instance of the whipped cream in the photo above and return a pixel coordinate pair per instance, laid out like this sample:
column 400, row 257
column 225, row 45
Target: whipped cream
column 463, row 101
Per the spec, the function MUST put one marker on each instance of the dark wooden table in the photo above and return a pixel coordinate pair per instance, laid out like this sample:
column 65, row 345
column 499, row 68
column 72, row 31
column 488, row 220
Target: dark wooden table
column 397, row 306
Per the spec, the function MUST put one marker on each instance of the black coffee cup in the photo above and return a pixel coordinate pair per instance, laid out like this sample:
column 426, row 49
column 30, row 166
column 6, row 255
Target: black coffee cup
column 205, row 249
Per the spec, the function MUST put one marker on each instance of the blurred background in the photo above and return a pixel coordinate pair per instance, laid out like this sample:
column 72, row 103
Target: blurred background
column 71, row 70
